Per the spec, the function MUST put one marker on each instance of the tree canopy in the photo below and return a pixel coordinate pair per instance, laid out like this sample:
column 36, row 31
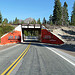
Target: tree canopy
column 65, row 16
column 44, row 21
column 38, row 21
column 0, row 17
column 73, row 15
column 57, row 13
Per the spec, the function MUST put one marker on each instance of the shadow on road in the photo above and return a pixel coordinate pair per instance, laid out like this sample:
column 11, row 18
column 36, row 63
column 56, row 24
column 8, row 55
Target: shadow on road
column 67, row 47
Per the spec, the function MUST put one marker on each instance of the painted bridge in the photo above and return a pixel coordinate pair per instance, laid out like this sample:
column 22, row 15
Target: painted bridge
column 26, row 31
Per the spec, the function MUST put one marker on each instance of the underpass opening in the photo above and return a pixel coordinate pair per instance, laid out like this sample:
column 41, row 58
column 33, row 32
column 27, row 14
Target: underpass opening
column 31, row 33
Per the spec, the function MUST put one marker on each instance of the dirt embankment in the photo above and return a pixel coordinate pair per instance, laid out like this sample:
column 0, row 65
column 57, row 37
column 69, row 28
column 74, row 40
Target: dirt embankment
column 68, row 35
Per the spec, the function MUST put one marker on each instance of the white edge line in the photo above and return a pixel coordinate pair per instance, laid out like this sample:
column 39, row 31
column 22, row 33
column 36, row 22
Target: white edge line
column 61, row 56
column 8, row 48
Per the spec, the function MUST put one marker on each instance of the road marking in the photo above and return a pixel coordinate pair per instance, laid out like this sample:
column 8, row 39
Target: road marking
column 15, row 63
column 61, row 56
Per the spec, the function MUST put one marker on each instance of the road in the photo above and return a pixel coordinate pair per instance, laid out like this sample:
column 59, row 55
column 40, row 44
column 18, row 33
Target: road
column 33, row 59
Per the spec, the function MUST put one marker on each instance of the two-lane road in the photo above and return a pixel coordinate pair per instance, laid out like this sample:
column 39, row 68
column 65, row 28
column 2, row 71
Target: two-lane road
column 33, row 59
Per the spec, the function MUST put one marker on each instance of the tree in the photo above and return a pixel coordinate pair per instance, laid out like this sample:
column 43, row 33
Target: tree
column 57, row 13
column 44, row 21
column 73, row 15
column 65, row 16
column 0, row 17
column 10, row 22
column 5, row 21
column 33, row 22
column 38, row 21
column 22, row 22
column 51, row 19
column 16, row 21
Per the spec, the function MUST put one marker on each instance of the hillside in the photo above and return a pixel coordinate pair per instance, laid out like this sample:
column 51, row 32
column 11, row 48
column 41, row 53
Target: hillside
column 65, row 33
column 27, row 20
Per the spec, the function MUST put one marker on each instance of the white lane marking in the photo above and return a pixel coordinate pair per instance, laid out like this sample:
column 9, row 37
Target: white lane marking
column 9, row 48
column 60, row 56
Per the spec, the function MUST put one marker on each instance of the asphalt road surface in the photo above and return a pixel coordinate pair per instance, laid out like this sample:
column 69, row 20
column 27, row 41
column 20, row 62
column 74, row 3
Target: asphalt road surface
column 33, row 59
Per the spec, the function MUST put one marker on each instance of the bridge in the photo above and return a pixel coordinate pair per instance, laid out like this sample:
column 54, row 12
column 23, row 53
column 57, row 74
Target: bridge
column 31, row 31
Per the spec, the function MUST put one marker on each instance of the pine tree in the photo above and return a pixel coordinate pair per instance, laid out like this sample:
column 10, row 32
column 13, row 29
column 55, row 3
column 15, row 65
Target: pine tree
column 0, row 17
column 65, row 16
column 73, row 15
column 5, row 21
column 10, row 22
column 38, row 21
column 22, row 22
column 44, row 21
column 16, row 21
column 33, row 22
column 51, row 19
column 57, row 13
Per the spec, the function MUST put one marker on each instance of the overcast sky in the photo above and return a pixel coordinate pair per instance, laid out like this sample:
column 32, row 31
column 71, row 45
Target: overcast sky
column 23, row 9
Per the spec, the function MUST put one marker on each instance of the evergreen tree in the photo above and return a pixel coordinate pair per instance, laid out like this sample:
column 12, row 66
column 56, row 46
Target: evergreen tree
column 73, row 15
column 0, row 17
column 65, row 16
column 22, row 22
column 33, row 22
column 51, row 19
column 10, row 22
column 57, row 13
column 5, row 21
column 16, row 21
column 38, row 21
column 44, row 21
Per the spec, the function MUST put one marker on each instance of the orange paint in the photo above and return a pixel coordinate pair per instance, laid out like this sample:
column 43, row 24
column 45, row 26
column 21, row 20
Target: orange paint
column 12, row 37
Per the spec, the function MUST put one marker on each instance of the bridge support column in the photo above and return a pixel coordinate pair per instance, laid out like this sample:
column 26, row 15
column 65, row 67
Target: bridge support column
column 21, row 34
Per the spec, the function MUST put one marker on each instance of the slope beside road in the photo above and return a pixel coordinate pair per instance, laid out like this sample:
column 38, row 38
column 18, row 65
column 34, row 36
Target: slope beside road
column 37, row 61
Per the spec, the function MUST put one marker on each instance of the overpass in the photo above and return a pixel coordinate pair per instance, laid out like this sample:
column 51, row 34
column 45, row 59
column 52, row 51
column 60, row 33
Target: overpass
column 33, row 29
column 20, row 33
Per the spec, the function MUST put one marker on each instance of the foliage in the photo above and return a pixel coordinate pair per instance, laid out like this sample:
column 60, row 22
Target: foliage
column 16, row 21
column 33, row 22
column 0, row 17
column 5, row 29
column 22, row 22
column 5, row 21
column 10, row 22
column 57, row 13
column 65, row 16
column 51, row 20
column 73, row 15
column 51, row 23
column 44, row 21
column 31, row 33
column 38, row 21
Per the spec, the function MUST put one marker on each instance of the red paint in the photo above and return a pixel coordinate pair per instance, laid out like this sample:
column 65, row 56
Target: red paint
column 48, row 37
column 7, row 38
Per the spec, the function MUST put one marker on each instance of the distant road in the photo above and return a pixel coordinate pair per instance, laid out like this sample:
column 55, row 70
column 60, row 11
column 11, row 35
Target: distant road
column 33, row 59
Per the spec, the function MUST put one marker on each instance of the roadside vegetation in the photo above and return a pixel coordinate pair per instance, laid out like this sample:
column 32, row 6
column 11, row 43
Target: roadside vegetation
column 5, row 28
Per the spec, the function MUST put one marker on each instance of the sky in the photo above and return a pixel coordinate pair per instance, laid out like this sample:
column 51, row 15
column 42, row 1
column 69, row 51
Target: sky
column 23, row 9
